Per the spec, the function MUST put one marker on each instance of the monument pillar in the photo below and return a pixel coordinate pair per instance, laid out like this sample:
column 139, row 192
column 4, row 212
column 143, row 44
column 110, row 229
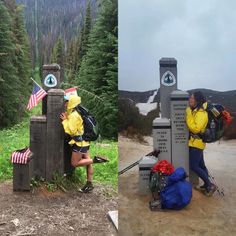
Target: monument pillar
column 38, row 144
column 179, row 130
column 55, row 133
column 168, row 83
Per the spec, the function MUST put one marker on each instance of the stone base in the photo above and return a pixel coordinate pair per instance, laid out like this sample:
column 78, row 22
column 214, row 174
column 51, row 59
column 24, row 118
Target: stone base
column 22, row 174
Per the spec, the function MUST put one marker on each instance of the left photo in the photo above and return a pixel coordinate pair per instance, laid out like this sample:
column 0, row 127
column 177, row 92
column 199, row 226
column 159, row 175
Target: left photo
column 58, row 117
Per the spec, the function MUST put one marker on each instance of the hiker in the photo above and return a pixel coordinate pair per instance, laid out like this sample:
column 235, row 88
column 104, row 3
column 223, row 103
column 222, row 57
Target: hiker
column 197, row 119
column 73, row 125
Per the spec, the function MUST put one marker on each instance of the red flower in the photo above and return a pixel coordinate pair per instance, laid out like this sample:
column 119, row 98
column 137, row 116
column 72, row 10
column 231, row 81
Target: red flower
column 163, row 167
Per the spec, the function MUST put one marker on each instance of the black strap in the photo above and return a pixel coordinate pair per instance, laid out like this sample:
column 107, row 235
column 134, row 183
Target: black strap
column 196, row 136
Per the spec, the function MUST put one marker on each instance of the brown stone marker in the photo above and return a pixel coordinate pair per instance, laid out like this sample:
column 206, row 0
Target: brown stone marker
column 38, row 144
column 68, row 168
column 22, row 174
column 55, row 133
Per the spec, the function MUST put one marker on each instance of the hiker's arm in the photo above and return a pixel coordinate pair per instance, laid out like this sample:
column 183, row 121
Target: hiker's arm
column 73, row 125
column 197, row 123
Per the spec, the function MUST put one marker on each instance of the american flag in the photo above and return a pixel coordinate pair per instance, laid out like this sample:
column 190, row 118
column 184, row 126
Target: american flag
column 21, row 156
column 37, row 94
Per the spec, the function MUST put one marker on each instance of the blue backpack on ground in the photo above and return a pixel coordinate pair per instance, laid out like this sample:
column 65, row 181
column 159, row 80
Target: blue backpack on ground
column 178, row 192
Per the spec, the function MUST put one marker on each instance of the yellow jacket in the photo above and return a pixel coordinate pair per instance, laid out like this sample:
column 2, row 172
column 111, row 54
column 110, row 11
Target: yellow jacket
column 197, row 120
column 73, row 125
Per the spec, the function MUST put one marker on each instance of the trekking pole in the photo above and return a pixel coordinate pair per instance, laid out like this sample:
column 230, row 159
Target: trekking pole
column 129, row 167
column 153, row 153
column 219, row 190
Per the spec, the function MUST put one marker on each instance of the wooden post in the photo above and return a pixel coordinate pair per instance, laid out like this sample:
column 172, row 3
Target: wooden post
column 38, row 144
column 51, row 79
column 55, row 133
column 68, row 168
column 22, row 174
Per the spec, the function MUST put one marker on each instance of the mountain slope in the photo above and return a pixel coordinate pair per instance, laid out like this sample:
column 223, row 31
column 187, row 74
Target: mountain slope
column 47, row 20
column 227, row 99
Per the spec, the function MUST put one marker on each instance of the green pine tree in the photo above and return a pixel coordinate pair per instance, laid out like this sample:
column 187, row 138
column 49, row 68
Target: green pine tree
column 82, row 44
column 71, row 62
column 58, row 56
column 8, row 73
column 22, row 59
column 99, row 68
column 15, row 65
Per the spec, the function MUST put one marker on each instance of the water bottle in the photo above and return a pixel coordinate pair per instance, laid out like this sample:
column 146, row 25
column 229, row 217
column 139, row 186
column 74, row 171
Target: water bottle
column 212, row 127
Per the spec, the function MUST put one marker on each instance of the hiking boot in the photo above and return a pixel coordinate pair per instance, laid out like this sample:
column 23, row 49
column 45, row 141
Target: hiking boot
column 98, row 159
column 201, row 188
column 210, row 190
column 88, row 187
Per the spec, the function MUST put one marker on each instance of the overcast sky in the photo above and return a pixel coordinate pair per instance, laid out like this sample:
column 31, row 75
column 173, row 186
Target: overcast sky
column 201, row 35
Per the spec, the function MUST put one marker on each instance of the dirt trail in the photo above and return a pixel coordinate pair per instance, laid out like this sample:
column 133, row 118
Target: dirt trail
column 204, row 216
column 45, row 213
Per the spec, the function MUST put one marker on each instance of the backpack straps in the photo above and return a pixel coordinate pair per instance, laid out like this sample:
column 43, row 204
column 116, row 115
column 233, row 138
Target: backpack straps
column 81, row 110
column 196, row 136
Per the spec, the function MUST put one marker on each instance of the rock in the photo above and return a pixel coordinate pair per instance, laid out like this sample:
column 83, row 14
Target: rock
column 71, row 228
column 16, row 222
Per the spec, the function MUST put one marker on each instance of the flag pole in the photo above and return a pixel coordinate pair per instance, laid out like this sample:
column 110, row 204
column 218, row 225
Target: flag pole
column 35, row 82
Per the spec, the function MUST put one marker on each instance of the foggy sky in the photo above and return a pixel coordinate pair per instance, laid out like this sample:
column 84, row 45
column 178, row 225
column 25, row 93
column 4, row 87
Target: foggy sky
column 201, row 35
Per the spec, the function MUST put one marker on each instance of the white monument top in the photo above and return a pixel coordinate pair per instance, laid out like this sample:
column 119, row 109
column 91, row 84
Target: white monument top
column 178, row 94
column 161, row 122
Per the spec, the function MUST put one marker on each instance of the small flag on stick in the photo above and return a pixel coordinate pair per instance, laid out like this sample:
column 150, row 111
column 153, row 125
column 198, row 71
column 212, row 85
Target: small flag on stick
column 37, row 95
column 71, row 91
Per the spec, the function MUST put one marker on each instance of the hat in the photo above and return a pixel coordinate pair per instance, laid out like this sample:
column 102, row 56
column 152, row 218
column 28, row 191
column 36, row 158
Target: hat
column 73, row 102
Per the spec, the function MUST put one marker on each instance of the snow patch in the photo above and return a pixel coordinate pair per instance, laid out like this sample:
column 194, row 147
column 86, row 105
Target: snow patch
column 145, row 108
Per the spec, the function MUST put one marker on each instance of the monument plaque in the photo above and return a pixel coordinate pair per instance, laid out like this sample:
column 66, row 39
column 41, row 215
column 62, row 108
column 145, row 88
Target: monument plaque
column 162, row 138
column 179, row 131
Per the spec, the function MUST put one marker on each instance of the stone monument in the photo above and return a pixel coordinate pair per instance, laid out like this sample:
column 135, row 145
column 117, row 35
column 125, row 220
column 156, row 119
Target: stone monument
column 170, row 133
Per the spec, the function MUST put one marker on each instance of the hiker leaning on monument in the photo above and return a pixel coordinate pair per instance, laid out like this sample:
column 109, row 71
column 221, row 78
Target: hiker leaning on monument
column 197, row 119
column 73, row 125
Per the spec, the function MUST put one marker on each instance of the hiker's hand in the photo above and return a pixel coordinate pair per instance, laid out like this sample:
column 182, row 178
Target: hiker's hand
column 63, row 116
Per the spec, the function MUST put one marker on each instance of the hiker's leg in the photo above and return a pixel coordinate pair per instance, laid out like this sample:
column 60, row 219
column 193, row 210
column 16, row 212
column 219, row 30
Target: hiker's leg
column 202, row 164
column 75, row 158
column 89, row 167
column 85, row 162
column 195, row 157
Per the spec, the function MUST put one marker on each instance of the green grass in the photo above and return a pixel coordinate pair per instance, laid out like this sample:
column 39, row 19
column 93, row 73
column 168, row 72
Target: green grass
column 11, row 139
column 107, row 172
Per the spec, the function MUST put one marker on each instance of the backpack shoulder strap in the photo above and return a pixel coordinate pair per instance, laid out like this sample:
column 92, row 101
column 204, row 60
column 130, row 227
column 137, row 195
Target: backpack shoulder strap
column 82, row 110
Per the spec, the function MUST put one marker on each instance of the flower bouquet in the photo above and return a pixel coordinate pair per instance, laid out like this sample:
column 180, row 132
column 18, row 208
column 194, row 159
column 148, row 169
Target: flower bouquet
column 162, row 169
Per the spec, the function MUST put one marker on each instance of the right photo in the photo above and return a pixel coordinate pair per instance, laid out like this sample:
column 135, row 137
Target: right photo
column 177, row 118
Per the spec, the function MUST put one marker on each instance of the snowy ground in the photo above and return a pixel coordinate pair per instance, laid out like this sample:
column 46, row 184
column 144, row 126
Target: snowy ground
column 203, row 216
column 144, row 108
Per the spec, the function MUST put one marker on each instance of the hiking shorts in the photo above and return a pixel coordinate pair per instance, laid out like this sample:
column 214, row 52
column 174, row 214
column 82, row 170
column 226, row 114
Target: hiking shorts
column 83, row 150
